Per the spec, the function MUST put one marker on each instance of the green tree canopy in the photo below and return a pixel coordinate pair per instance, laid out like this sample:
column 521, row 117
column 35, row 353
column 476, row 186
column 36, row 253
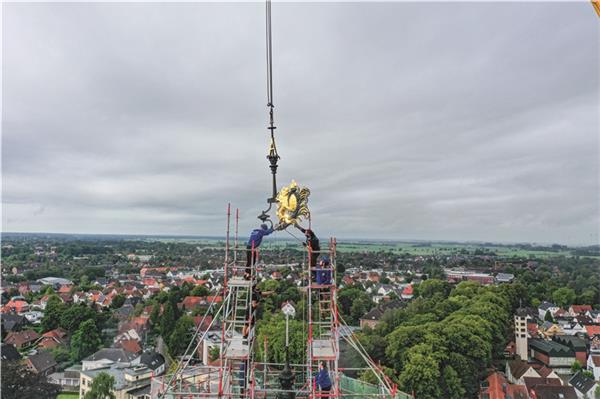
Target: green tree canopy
column 102, row 387
column 18, row 382
column 74, row 315
column 564, row 297
column 52, row 313
column 181, row 336
column 85, row 341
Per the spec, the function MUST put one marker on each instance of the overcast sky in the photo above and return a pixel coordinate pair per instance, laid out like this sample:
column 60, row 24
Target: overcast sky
column 451, row 121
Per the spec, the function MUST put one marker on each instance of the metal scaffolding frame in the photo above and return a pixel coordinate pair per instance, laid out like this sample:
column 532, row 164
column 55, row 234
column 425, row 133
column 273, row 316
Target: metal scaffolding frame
column 237, row 374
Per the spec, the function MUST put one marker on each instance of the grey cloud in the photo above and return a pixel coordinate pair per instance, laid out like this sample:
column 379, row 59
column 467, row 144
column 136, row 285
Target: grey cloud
column 407, row 120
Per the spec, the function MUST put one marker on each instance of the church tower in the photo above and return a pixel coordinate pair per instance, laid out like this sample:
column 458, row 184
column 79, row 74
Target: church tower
column 521, row 333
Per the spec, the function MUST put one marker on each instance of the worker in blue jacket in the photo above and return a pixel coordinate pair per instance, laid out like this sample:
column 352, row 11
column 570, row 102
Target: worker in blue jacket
column 322, row 380
column 253, row 243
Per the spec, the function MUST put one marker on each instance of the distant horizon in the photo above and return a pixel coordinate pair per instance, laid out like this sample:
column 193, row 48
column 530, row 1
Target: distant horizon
column 350, row 239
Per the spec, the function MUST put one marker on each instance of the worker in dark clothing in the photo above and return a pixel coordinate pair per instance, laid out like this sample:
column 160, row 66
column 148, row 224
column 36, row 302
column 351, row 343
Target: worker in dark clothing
column 252, row 245
column 313, row 243
column 323, row 381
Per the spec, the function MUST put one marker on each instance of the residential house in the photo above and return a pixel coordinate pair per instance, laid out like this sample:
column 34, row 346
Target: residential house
column 545, row 307
column 572, row 328
column 549, row 329
column 517, row 370
column 22, row 339
column 576, row 310
column 585, row 387
column 407, row 292
column 594, row 315
column 15, row 306
column 13, row 322
column 583, row 319
column 496, row 386
column 553, row 392
column 594, row 342
column 41, row 363
column 68, row 379
column 191, row 303
column 153, row 360
column 593, row 365
column 52, row 339
column 531, row 382
column 373, row 317
column 547, row 372
column 33, row 316
column 592, row 331
column 130, row 346
column 132, row 333
column 107, row 357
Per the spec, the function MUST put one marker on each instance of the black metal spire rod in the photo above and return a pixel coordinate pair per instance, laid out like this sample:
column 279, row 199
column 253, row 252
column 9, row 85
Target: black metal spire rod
column 272, row 156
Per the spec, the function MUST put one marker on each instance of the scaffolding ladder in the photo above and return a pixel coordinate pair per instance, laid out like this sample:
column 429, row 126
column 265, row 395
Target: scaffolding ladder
column 323, row 327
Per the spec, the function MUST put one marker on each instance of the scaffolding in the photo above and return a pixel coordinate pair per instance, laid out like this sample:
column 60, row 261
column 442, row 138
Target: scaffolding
column 237, row 374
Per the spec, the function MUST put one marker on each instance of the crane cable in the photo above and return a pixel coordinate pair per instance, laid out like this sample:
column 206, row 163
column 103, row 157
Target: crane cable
column 269, row 47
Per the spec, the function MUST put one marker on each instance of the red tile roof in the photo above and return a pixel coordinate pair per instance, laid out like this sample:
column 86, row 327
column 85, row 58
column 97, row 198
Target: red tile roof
column 592, row 330
column 497, row 383
column 190, row 302
column 580, row 308
column 57, row 333
column 130, row 345
column 17, row 305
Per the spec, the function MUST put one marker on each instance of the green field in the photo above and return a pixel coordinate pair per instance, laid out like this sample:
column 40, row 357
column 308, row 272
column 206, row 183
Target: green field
column 68, row 396
column 409, row 248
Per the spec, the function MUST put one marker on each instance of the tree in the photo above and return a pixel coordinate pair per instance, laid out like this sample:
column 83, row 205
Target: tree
column 354, row 303
column 359, row 308
column 564, row 297
column 452, row 385
column 576, row 366
column 548, row 316
column 199, row 290
column 20, row 382
column 60, row 354
column 52, row 313
column 74, row 315
column 421, row 373
column 181, row 336
column 85, row 341
column 273, row 328
column 431, row 287
column 118, row 301
column 167, row 321
column 214, row 353
column 102, row 387
column 154, row 316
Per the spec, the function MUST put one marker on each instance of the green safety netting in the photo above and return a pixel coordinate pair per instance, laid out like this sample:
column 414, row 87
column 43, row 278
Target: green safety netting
column 354, row 389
